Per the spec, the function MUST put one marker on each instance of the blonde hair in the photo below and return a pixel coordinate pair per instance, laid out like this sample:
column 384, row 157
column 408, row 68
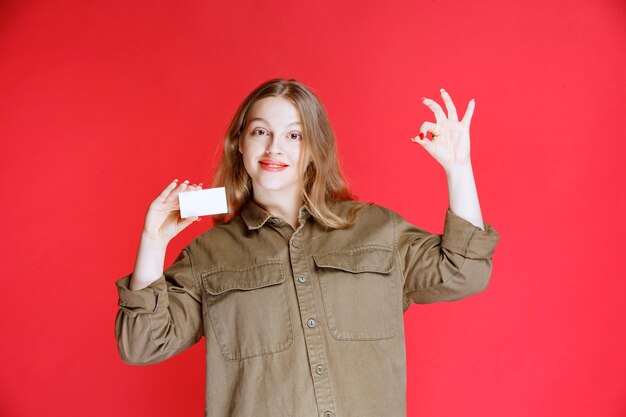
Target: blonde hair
column 322, row 180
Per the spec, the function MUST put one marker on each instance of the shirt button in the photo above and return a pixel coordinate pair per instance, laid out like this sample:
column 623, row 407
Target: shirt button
column 295, row 243
column 302, row 278
column 319, row 369
column 311, row 323
column 328, row 414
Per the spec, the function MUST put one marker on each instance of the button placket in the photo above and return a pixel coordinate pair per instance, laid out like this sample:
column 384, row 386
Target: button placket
column 312, row 332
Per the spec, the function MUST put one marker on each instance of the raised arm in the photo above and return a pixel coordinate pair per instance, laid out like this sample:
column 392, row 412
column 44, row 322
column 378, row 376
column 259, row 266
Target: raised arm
column 162, row 223
column 450, row 146
column 160, row 312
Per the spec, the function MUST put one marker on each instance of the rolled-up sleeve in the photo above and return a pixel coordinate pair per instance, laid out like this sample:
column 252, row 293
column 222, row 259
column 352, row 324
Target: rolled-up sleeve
column 162, row 319
column 445, row 267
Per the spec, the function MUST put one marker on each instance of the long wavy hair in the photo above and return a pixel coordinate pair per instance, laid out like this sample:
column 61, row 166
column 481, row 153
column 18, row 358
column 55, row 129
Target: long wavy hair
column 322, row 180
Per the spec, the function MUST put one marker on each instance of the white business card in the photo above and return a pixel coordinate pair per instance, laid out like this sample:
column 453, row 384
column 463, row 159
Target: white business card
column 203, row 202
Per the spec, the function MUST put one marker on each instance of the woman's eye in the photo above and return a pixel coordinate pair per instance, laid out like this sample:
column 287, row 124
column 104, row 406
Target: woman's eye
column 259, row 132
column 295, row 136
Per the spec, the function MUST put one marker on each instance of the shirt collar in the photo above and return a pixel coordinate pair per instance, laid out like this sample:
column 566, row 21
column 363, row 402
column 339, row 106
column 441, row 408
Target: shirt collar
column 256, row 216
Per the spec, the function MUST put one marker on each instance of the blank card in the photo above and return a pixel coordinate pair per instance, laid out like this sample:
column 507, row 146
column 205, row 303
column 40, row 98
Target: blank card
column 202, row 202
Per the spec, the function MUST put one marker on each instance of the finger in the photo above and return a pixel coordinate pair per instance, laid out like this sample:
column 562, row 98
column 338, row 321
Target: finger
column 419, row 138
column 467, row 118
column 425, row 129
column 423, row 140
column 440, row 116
column 183, row 223
column 429, row 127
column 168, row 190
column 181, row 188
column 447, row 100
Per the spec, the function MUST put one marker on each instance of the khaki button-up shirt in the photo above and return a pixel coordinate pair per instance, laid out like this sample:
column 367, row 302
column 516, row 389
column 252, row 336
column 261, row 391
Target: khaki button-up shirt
column 306, row 322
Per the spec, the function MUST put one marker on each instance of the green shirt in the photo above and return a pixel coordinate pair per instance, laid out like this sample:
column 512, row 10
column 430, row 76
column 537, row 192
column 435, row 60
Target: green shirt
column 306, row 322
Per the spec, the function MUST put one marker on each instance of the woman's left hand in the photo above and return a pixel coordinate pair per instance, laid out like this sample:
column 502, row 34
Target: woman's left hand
column 450, row 144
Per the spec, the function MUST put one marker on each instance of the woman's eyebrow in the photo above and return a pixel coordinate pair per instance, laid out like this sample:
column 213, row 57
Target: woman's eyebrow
column 260, row 119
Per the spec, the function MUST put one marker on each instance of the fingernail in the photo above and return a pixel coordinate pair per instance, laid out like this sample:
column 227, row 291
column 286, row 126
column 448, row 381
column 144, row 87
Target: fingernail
column 421, row 136
column 200, row 184
column 186, row 182
column 423, row 98
column 442, row 90
column 175, row 179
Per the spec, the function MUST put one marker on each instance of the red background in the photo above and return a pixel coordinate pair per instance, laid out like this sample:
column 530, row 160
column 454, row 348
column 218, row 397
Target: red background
column 103, row 103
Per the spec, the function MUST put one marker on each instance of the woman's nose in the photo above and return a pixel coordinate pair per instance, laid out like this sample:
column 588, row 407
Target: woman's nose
column 273, row 146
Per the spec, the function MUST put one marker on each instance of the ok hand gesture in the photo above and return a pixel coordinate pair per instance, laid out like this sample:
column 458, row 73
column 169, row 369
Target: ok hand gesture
column 450, row 144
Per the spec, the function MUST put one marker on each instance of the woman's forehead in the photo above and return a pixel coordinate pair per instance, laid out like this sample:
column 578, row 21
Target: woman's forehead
column 274, row 110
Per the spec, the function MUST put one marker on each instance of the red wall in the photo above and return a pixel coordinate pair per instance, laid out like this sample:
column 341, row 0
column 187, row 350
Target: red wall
column 102, row 103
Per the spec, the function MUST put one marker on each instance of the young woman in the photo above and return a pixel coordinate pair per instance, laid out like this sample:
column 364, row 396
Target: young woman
column 300, row 291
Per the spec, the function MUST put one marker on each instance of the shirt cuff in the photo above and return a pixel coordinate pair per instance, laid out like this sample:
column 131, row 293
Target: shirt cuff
column 145, row 300
column 467, row 240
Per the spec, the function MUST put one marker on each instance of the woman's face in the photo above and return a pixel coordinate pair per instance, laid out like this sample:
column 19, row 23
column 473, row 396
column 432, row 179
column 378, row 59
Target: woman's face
column 270, row 146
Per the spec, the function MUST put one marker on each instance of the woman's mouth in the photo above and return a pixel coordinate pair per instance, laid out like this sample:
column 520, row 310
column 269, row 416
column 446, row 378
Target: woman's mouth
column 270, row 165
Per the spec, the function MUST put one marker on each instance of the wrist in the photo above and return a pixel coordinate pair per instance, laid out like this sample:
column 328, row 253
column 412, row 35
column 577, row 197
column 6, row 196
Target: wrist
column 149, row 241
column 457, row 170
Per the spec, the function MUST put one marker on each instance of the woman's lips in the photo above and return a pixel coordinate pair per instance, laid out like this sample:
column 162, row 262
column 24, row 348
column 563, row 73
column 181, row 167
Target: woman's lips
column 269, row 165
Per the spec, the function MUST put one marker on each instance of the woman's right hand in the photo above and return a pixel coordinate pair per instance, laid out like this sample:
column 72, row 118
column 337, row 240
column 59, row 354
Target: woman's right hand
column 163, row 220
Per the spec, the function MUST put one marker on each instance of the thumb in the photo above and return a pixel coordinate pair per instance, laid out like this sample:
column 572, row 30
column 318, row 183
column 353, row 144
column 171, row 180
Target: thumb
column 184, row 223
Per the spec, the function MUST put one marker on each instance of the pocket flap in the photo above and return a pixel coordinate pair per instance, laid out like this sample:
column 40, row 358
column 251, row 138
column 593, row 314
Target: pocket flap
column 219, row 280
column 369, row 258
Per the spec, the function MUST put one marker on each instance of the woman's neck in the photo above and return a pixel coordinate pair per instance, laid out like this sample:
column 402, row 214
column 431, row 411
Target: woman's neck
column 284, row 206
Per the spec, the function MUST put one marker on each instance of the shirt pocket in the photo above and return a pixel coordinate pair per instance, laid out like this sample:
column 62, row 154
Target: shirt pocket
column 248, row 309
column 357, row 292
